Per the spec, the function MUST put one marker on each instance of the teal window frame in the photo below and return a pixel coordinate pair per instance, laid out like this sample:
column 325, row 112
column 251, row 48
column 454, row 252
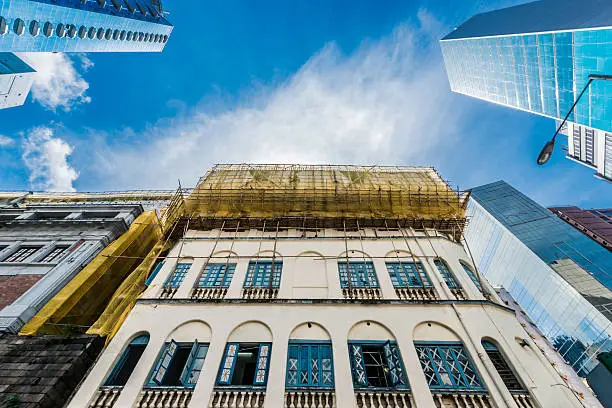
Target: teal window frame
column 259, row 274
column 472, row 275
column 310, row 365
column 217, row 275
column 362, row 274
column 178, row 275
column 111, row 379
column 448, row 366
column 408, row 275
column 449, row 277
column 393, row 365
column 228, row 364
column 191, row 369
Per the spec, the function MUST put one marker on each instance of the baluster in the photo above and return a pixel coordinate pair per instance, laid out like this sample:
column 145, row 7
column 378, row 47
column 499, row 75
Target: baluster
column 484, row 403
column 299, row 400
column 248, row 404
column 379, row 398
column 320, row 397
column 440, row 401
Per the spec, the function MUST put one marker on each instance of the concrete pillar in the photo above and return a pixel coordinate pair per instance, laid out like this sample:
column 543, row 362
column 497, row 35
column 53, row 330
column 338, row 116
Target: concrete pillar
column 208, row 376
column 197, row 266
column 235, row 288
column 275, row 390
column 384, row 280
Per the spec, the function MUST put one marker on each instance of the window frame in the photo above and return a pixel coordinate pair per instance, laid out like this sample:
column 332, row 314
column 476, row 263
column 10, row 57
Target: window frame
column 187, row 368
column 57, row 257
column 176, row 278
column 472, row 275
column 514, row 390
column 30, row 255
column 450, row 279
column 220, row 383
column 271, row 280
column 451, row 345
column 225, row 271
column 121, row 361
column 372, row 279
column 310, row 385
column 363, row 385
column 396, row 268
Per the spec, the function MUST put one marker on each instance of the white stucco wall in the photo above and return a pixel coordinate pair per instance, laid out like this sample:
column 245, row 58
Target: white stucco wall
column 330, row 316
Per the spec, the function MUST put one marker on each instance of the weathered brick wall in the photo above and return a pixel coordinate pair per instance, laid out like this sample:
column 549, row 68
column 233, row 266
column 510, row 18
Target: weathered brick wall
column 43, row 371
column 14, row 286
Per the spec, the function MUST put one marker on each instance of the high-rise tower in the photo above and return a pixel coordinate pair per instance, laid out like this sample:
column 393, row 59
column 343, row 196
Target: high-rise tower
column 16, row 78
column 538, row 57
column 82, row 26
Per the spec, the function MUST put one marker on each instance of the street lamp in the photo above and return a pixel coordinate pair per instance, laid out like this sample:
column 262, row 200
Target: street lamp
column 548, row 148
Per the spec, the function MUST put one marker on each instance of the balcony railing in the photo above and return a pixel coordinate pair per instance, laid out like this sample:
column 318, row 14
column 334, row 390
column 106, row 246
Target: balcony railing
column 310, row 399
column 384, row 399
column 523, row 400
column 106, row 397
column 237, row 399
column 458, row 293
column 457, row 400
column 362, row 293
column 259, row 293
column 164, row 398
column 168, row 292
column 416, row 293
column 200, row 292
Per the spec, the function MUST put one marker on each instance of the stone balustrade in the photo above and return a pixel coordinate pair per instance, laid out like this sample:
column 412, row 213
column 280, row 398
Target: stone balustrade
column 237, row 399
column 164, row 398
column 384, row 399
column 362, row 293
column 259, row 293
column 458, row 293
column 168, row 292
column 106, row 397
column 200, row 292
column 416, row 293
column 461, row 400
column 310, row 399
column 523, row 400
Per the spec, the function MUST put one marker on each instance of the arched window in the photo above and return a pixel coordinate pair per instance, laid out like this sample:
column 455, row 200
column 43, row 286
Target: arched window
column 502, row 367
column 446, row 273
column 472, row 275
column 126, row 364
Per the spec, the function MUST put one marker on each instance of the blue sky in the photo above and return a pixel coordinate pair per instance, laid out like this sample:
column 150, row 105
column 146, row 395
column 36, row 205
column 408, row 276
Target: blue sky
column 313, row 81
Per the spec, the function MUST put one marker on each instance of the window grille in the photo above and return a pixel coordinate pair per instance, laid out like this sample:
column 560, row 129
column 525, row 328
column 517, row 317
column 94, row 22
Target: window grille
column 502, row 367
column 472, row 275
column 259, row 274
column 377, row 365
column 55, row 254
column 177, row 277
column 127, row 362
column 309, row 365
column 217, row 275
column 362, row 275
column 408, row 275
column 179, row 364
column 446, row 273
column 22, row 254
column 245, row 364
column 448, row 366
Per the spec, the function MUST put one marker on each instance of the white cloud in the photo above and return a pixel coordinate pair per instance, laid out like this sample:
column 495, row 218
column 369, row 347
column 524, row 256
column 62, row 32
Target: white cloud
column 58, row 84
column 6, row 141
column 46, row 157
column 387, row 103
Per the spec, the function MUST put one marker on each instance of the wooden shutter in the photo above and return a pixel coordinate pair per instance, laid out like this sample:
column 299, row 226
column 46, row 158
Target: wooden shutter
column 164, row 362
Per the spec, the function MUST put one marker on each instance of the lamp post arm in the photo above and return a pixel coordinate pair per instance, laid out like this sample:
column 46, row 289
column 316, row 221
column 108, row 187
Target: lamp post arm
column 591, row 78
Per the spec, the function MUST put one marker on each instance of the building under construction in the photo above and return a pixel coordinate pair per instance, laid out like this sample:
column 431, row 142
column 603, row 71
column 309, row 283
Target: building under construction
column 300, row 286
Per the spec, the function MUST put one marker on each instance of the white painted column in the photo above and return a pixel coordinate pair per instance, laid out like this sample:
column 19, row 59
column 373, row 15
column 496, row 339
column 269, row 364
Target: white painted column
column 414, row 372
column 384, row 280
column 235, row 288
column 345, row 393
column 208, row 376
column 184, row 291
column 275, row 391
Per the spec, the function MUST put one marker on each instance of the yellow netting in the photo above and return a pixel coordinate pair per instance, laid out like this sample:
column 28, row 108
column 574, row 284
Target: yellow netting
column 239, row 190
column 79, row 304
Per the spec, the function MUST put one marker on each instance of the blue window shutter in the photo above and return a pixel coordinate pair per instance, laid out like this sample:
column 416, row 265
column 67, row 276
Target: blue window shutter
column 327, row 366
column 293, row 355
column 154, row 273
column 187, row 368
column 358, row 365
column 263, row 362
column 164, row 363
column 229, row 362
column 394, row 364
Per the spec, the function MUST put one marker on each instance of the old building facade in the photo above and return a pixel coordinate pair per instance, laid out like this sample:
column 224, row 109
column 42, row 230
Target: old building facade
column 334, row 310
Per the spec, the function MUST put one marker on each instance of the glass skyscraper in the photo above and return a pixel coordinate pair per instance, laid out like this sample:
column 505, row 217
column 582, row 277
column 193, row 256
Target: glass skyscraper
column 559, row 276
column 16, row 78
column 82, row 26
column 538, row 57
